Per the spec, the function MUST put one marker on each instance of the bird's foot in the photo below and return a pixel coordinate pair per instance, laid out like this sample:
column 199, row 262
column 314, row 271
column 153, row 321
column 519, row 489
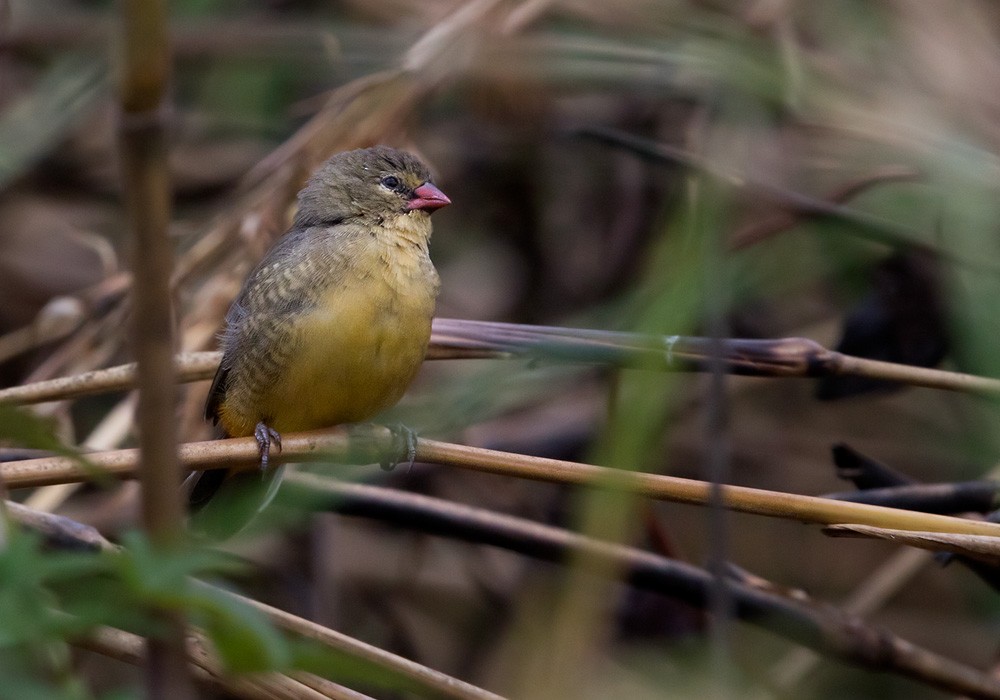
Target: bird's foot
column 266, row 435
column 400, row 433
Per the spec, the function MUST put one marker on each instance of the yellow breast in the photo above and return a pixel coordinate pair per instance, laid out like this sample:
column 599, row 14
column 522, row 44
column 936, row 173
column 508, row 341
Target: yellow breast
column 353, row 353
column 357, row 352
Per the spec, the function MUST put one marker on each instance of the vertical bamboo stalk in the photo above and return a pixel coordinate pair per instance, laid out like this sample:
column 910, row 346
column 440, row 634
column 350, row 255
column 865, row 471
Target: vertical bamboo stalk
column 145, row 75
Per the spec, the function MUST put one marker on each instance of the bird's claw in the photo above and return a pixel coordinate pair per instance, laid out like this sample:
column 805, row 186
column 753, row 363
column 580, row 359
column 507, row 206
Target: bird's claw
column 266, row 435
column 409, row 439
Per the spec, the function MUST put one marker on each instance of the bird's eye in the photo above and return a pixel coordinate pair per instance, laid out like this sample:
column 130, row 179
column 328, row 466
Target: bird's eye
column 390, row 181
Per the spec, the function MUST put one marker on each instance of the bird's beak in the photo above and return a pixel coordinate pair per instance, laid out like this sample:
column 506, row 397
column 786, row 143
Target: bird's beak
column 428, row 198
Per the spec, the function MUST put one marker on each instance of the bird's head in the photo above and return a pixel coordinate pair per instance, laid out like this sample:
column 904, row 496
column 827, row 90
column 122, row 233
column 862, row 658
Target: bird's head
column 376, row 183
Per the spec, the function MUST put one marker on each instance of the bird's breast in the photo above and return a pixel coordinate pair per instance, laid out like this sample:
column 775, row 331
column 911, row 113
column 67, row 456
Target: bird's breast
column 357, row 348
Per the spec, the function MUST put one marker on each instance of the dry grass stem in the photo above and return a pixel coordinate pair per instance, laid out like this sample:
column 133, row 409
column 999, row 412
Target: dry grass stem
column 107, row 435
column 57, row 529
column 189, row 367
column 871, row 595
column 329, row 689
column 374, row 444
column 144, row 75
column 128, row 648
column 464, row 339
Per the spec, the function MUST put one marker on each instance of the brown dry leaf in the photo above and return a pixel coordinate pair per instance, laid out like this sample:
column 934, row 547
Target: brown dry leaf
column 981, row 547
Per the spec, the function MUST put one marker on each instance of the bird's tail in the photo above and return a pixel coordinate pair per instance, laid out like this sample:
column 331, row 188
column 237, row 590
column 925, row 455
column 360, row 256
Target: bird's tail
column 222, row 502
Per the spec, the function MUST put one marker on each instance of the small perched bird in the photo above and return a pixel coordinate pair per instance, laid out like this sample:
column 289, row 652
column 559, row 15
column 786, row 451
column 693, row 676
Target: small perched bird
column 333, row 323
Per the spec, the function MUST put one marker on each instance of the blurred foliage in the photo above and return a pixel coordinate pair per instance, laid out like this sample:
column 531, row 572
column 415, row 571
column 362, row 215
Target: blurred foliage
column 50, row 598
column 64, row 93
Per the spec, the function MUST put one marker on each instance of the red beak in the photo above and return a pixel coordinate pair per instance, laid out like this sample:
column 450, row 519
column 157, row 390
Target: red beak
column 428, row 198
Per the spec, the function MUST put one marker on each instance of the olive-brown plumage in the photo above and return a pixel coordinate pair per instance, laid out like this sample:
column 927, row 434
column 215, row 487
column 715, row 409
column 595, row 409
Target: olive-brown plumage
column 332, row 325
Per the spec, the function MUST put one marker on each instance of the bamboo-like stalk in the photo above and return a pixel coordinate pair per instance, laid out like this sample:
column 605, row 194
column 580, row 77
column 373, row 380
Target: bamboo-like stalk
column 145, row 76
column 465, row 339
column 374, row 444
column 189, row 367
column 808, row 509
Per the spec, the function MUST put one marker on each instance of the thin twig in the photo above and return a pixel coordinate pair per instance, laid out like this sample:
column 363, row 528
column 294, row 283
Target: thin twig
column 742, row 499
column 881, row 585
column 329, row 689
column 953, row 497
column 784, row 357
column 58, row 531
column 759, row 230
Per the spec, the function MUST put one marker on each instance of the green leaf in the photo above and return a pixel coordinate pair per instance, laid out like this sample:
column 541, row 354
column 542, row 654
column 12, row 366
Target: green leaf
column 244, row 639
column 159, row 576
column 29, row 430
column 350, row 670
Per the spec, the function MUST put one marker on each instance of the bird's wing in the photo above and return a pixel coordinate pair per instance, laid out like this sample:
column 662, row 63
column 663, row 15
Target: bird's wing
column 289, row 254
column 216, row 394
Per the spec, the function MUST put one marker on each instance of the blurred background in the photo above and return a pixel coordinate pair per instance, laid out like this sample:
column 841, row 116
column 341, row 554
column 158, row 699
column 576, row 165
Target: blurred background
column 757, row 168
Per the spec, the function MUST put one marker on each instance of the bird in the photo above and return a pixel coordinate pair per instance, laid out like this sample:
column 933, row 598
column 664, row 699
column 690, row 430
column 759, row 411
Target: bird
column 333, row 323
